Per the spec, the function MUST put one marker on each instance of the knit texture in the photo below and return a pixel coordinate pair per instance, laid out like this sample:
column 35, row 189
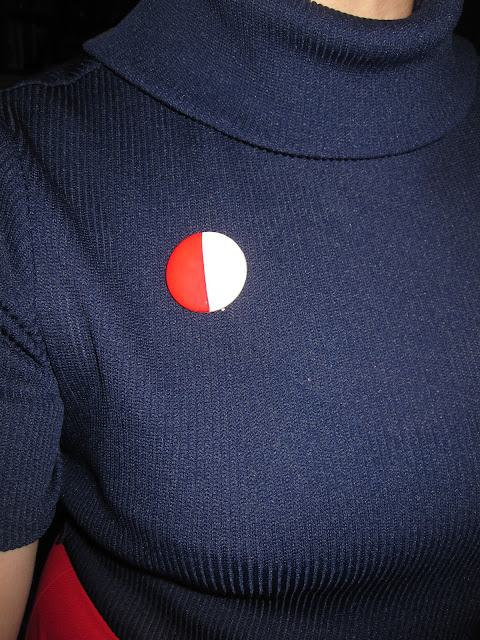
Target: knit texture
column 303, row 464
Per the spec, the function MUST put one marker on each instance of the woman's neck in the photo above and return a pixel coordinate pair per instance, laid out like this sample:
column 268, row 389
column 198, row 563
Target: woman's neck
column 375, row 9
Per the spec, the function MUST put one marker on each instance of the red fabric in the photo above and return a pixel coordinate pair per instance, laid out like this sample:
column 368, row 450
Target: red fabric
column 62, row 609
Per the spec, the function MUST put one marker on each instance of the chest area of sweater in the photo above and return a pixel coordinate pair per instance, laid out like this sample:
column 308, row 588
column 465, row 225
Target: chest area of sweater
column 355, row 289
column 339, row 387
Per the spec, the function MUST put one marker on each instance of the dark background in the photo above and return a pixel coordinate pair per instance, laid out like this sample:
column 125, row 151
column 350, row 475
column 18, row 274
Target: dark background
column 37, row 33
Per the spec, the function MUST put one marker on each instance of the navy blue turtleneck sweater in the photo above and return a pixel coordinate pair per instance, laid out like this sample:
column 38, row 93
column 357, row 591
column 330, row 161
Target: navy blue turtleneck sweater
column 305, row 462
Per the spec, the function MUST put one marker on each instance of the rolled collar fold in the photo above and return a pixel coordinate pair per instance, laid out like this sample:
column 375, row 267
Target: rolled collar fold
column 296, row 77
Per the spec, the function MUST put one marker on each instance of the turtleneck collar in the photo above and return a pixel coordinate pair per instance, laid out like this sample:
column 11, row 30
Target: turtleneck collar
column 296, row 77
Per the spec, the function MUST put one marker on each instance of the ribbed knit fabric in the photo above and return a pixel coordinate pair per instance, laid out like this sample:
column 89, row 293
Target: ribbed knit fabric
column 304, row 463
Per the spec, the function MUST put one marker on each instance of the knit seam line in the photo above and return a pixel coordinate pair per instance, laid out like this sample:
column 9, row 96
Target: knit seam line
column 28, row 214
column 40, row 340
column 20, row 346
column 34, row 337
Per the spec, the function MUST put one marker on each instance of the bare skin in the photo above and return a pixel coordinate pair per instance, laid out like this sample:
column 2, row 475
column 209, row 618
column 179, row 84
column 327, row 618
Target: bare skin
column 16, row 572
column 374, row 9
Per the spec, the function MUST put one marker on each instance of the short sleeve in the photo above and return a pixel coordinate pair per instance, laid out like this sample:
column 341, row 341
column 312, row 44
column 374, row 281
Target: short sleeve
column 31, row 409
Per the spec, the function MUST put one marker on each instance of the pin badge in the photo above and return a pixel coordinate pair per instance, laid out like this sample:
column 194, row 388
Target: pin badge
column 206, row 272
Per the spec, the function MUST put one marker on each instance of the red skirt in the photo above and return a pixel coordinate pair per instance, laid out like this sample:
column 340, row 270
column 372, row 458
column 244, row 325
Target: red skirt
column 62, row 609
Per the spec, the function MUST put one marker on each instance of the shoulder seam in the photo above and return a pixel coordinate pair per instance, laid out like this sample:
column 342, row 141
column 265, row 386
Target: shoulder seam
column 35, row 333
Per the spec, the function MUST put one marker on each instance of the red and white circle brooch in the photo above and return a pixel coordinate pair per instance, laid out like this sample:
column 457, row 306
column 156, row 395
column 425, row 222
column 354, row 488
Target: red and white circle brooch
column 206, row 272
